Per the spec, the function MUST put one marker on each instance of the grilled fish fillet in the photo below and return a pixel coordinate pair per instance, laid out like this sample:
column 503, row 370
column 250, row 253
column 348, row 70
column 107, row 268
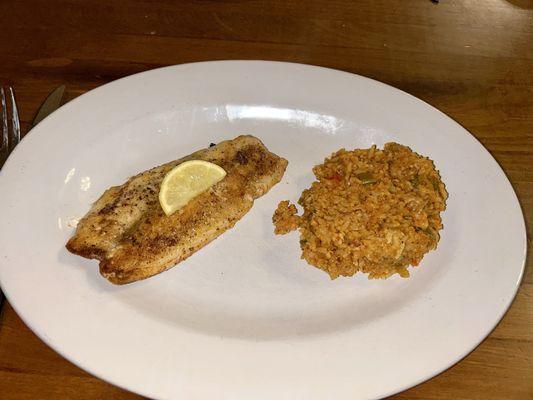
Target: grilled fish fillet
column 128, row 232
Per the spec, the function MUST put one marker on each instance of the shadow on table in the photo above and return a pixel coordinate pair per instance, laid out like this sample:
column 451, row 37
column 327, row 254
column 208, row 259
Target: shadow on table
column 525, row 4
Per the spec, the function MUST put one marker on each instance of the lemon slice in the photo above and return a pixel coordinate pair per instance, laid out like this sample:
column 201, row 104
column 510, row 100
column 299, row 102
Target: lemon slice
column 186, row 181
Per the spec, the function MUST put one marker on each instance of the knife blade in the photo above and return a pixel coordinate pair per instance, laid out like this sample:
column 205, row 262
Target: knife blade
column 52, row 103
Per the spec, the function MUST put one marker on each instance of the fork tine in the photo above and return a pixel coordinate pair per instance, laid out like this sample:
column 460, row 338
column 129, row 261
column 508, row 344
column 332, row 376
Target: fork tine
column 4, row 148
column 15, row 135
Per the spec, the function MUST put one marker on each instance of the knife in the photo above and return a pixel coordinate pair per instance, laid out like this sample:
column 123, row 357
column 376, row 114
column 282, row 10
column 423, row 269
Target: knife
column 52, row 103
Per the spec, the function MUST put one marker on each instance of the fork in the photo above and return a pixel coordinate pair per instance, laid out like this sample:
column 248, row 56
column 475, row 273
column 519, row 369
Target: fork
column 10, row 137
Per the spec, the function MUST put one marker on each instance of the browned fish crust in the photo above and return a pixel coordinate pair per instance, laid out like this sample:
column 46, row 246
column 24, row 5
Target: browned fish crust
column 127, row 230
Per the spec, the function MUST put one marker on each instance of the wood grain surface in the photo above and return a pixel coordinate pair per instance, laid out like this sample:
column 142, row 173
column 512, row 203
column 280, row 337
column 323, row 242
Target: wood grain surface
column 471, row 59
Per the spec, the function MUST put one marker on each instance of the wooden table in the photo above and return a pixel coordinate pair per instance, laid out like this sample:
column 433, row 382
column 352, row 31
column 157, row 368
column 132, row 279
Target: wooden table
column 471, row 59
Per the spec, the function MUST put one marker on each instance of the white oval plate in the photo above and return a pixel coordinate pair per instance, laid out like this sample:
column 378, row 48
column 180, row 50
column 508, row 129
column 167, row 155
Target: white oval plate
column 245, row 318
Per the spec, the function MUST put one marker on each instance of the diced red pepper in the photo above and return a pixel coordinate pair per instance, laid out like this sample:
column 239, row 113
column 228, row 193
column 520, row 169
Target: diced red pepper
column 336, row 177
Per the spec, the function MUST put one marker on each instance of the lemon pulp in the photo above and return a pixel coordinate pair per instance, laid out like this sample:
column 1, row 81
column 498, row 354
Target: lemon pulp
column 186, row 181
